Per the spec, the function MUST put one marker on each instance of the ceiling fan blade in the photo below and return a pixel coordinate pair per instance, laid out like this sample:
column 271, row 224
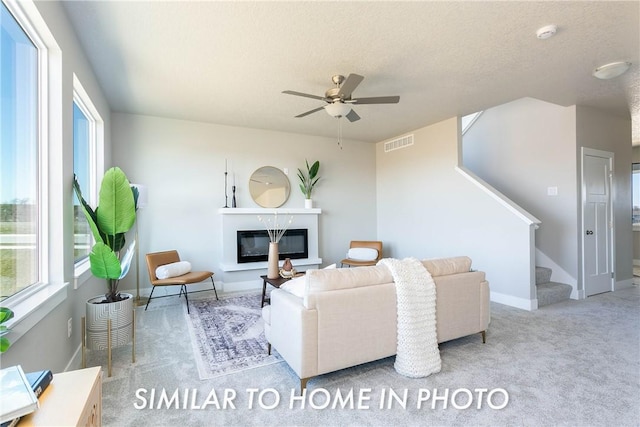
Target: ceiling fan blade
column 376, row 100
column 306, row 95
column 310, row 112
column 352, row 116
column 350, row 85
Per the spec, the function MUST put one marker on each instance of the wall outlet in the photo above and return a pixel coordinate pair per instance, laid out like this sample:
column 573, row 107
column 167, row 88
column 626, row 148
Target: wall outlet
column 69, row 325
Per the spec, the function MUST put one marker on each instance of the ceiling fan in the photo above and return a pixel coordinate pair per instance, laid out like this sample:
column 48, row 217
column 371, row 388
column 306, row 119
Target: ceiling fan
column 339, row 100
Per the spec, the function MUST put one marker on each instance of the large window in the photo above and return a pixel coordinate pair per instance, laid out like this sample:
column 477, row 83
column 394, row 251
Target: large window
column 81, row 168
column 20, row 235
column 88, row 136
column 635, row 185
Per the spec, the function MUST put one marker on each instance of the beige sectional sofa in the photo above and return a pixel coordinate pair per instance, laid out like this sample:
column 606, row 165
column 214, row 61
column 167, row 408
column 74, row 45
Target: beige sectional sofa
column 332, row 319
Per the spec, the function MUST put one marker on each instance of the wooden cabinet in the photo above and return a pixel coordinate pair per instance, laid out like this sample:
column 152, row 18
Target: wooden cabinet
column 73, row 398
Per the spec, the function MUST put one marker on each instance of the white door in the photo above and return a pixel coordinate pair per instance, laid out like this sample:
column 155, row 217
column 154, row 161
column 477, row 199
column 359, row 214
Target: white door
column 597, row 225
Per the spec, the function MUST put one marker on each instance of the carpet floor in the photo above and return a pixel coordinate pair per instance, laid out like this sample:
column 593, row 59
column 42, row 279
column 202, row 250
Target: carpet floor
column 576, row 363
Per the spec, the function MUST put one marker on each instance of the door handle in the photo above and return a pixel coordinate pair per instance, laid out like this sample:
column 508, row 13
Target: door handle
column 589, row 232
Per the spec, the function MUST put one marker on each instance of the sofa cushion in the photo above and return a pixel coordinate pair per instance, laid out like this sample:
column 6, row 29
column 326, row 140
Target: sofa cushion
column 446, row 266
column 295, row 286
column 344, row 278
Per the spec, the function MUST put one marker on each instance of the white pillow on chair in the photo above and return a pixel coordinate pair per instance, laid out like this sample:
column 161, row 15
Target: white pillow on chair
column 362, row 254
column 173, row 270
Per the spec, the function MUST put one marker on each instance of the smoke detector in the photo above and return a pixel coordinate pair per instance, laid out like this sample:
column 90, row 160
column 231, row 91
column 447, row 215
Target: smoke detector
column 546, row 32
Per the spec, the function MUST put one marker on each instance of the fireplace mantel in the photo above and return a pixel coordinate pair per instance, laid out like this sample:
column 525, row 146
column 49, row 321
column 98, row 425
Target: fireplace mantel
column 268, row 211
column 234, row 219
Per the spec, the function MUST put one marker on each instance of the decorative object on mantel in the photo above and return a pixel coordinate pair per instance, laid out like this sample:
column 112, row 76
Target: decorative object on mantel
column 308, row 182
column 226, row 173
column 275, row 231
column 287, row 271
column 233, row 198
column 269, row 187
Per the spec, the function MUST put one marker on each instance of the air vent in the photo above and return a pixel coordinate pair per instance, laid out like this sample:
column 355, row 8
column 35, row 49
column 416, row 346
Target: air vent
column 399, row 143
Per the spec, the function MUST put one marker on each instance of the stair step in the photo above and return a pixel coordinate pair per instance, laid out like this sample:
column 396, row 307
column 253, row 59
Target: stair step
column 552, row 292
column 543, row 275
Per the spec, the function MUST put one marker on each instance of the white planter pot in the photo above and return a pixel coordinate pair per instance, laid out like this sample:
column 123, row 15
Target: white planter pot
column 308, row 203
column 121, row 315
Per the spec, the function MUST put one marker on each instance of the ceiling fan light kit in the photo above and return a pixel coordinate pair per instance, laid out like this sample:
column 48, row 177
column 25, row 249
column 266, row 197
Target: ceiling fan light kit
column 337, row 109
column 611, row 70
column 339, row 100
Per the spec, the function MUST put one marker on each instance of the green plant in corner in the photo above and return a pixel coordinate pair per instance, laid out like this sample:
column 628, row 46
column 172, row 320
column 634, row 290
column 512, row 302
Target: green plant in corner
column 308, row 181
column 109, row 221
column 5, row 315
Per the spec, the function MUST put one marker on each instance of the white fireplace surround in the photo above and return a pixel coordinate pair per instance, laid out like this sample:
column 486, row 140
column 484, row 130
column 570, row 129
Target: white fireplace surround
column 234, row 219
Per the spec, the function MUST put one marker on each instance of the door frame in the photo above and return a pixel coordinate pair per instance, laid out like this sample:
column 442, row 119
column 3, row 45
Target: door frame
column 583, row 197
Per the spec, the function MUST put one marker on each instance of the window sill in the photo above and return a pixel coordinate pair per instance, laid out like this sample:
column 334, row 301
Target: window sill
column 81, row 273
column 32, row 308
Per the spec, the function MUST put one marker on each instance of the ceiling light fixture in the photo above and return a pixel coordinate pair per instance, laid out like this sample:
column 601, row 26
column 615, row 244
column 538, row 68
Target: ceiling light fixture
column 337, row 109
column 612, row 70
column 546, row 32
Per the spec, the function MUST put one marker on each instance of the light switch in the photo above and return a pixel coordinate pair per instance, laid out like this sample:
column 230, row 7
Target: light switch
column 552, row 191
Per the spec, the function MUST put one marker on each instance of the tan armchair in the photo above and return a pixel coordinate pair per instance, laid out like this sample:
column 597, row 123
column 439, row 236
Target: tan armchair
column 377, row 245
column 157, row 259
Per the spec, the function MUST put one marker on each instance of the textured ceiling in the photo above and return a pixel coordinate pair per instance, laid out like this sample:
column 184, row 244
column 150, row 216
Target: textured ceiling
column 228, row 62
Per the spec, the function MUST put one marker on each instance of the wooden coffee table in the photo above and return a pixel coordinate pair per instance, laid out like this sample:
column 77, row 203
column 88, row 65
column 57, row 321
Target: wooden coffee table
column 276, row 283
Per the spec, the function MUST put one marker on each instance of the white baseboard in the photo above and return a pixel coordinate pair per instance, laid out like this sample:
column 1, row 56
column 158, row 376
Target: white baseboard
column 623, row 284
column 249, row 285
column 76, row 360
column 512, row 301
column 577, row 294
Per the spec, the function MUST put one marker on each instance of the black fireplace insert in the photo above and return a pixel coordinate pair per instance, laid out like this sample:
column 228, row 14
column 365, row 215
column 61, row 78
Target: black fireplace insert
column 253, row 245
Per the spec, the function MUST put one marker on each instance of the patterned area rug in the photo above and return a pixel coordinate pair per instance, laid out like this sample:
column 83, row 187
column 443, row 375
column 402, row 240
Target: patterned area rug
column 228, row 335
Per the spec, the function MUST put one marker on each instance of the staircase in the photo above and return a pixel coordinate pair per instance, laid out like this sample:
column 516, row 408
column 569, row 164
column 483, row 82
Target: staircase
column 550, row 292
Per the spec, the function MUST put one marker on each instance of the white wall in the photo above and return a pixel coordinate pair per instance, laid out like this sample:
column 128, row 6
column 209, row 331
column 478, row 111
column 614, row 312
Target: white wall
column 526, row 146
column 599, row 130
column 426, row 209
column 182, row 164
column 522, row 148
column 51, row 332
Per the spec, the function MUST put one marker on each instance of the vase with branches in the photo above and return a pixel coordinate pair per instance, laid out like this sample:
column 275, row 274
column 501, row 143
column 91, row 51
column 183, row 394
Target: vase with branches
column 275, row 230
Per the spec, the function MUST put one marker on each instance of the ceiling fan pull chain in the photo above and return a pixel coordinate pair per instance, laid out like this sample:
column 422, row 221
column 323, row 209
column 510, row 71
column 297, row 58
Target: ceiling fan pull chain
column 340, row 132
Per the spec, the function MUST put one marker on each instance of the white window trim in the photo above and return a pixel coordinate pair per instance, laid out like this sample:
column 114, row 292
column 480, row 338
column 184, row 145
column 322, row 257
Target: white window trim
column 81, row 98
column 34, row 303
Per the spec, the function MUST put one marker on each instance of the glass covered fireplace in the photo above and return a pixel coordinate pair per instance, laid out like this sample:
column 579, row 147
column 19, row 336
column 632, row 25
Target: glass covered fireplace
column 253, row 245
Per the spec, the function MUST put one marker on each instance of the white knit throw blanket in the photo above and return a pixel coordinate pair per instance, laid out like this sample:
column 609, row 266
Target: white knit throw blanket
column 417, row 352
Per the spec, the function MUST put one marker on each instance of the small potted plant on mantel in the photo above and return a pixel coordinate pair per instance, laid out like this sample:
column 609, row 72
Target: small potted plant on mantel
column 109, row 222
column 308, row 181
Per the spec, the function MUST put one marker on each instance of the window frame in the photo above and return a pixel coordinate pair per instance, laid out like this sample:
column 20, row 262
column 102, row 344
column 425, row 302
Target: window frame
column 96, row 164
column 33, row 303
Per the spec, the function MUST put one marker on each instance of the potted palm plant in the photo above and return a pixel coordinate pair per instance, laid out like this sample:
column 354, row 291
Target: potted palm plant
column 308, row 181
column 109, row 222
